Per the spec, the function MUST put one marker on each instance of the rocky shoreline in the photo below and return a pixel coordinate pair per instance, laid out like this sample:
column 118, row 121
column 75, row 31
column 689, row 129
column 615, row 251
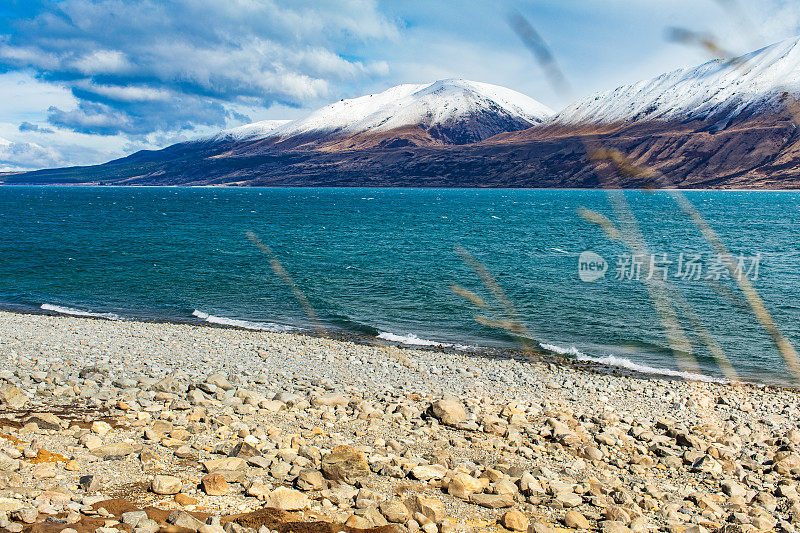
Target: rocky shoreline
column 135, row 426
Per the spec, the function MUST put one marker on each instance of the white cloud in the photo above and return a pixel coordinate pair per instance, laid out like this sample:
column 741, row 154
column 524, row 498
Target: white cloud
column 147, row 73
column 23, row 156
column 102, row 62
column 127, row 59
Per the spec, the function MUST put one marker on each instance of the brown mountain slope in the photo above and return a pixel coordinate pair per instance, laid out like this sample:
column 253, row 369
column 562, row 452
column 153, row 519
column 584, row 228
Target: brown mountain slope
column 760, row 152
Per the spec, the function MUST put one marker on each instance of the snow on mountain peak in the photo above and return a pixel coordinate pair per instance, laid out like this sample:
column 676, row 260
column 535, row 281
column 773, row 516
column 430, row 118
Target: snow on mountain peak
column 454, row 109
column 255, row 130
column 717, row 91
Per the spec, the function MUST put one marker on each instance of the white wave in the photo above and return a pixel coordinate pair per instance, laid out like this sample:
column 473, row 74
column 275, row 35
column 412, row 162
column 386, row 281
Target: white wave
column 562, row 351
column 244, row 324
column 622, row 362
column 559, row 250
column 78, row 312
column 413, row 340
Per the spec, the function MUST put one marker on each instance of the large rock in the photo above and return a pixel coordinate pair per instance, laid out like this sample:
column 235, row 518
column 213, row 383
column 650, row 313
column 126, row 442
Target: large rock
column 448, row 411
column 494, row 425
column 616, row 526
column 132, row 518
column 287, row 499
column 185, row 520
column 492, row 501
column 214, row 485
column 344, row 464
column 169, row 384
column 733, row 489
column 26, row 515
column 44, row 420
column 44, row 471
column 708, row 465
column 244, row 450
column 165, row 485
column 12, row 397
column 8, row 505
column 117, row 449
column 226, row 463
column 428, row 506
column 329, row 398
column 89, row 483
column 100, row 427
column 515, row 521
column 310, row 480
column 786, row 465
column 219, row 381
column 568, row 499
column 357, row 522
column 428, row 472
column 463, row 486
column 576, row 520
column 395, row 511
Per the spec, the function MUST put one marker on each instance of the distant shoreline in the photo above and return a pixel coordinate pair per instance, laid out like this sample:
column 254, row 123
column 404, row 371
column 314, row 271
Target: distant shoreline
column 262, row 187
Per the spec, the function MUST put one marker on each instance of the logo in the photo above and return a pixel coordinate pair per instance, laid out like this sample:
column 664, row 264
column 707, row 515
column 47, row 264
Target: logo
column 591, row 266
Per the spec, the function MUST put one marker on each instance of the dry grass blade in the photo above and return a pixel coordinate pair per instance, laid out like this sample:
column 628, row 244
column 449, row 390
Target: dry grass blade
column 734, row 298
column 787, row 351
column 708, row 43
column 754, row 300
column 703, row 40
column 628, row 227
column 702, row 330
column 624, row 165
column 534, row 42
column 601, row 220
column 656, row 287
column 468, row 295
column 281, row 272
column 512, row 322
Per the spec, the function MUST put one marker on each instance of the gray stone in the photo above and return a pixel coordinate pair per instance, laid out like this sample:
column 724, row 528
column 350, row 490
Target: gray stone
column 89, row 483
column 132, row 518
column 184, row 519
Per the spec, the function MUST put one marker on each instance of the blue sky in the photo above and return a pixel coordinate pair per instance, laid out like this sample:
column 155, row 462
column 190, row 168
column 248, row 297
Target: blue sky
column 84, row 81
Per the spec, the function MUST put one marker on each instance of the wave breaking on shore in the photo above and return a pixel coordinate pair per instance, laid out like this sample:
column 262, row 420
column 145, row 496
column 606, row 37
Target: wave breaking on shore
column 77, row 312
column 623, row 362
column 413, row 340
column 244, row 324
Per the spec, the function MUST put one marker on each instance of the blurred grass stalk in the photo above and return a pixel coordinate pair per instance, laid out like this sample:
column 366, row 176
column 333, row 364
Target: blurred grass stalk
column 284, row 276
column 629, row 233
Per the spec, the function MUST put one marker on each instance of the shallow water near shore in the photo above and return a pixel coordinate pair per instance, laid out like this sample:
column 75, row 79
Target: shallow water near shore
column 380, row 262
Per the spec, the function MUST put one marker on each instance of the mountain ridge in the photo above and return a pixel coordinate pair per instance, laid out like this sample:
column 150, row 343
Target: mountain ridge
column 722, row 124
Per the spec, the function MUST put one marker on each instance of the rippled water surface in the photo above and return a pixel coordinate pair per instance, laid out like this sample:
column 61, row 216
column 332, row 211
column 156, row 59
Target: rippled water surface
column 381, row 262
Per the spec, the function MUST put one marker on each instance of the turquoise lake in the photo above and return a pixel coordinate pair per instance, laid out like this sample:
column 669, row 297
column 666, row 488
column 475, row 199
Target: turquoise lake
column 381, row 262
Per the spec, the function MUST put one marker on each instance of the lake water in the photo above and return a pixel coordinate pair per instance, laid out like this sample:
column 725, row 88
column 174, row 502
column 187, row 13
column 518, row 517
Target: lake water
column 381, row 262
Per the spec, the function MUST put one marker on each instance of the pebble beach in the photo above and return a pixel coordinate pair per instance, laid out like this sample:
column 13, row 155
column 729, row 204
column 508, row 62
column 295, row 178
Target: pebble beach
column 134, row 426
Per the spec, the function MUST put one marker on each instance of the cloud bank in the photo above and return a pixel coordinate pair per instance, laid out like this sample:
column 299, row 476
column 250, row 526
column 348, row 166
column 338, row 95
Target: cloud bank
column 140, row 66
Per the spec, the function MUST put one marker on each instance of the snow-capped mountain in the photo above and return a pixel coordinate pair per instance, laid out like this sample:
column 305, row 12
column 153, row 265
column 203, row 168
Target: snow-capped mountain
column 457, row 133
column 256, row 130
column 451, row 111
column 716, row 92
